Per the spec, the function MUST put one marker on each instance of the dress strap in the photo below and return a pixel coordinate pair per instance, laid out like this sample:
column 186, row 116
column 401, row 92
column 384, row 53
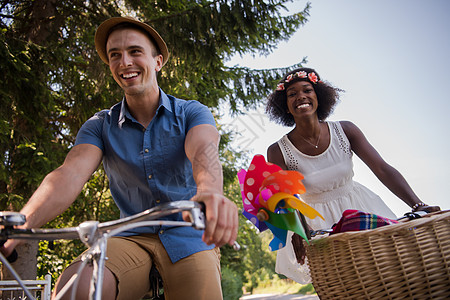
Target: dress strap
column 289, row 158
column 344, row 143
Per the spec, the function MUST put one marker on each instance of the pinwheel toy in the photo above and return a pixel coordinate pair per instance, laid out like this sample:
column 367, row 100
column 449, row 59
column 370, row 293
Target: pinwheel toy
column 269, row 201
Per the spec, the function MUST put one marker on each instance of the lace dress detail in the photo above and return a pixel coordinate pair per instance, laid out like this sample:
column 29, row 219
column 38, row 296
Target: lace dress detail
column 291, row 163
column 344, row 145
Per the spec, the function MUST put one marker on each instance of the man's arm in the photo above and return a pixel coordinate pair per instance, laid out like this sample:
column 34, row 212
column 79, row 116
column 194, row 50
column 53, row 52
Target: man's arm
column 201, row 147
column 59, row 188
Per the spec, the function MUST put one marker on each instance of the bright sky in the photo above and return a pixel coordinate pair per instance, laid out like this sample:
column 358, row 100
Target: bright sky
column 392, row 59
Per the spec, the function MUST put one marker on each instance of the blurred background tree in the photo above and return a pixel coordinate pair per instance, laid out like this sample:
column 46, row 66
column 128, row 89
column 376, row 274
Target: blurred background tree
column 53, row 81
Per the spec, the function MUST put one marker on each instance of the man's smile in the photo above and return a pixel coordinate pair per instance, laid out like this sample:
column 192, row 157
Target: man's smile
column 129, row 75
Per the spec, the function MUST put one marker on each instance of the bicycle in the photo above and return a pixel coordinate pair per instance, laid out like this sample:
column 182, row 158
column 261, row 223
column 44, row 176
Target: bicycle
column 95, row 235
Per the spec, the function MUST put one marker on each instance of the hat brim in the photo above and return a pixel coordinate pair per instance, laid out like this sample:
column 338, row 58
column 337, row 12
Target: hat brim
column 101, row 36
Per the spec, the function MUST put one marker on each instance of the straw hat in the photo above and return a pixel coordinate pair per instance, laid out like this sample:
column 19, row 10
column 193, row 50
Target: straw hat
column 101, row 36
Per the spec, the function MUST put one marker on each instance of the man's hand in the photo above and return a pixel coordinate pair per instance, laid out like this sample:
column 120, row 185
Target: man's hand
column 221, row 219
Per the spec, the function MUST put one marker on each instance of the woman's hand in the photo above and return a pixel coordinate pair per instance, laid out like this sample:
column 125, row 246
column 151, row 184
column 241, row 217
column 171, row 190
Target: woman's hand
column 299, row 248
column 428, row 208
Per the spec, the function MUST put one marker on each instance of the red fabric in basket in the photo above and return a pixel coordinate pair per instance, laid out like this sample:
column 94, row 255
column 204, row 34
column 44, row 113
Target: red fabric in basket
column 355, row 220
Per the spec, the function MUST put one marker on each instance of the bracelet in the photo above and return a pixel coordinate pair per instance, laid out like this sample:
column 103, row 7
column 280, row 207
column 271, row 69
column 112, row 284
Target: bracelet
column 416, row 206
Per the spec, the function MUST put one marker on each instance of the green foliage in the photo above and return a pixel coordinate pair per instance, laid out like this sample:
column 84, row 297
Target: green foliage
column 278, row 285
column 48, row 262
column 27, row 147
column 307, row 289
column 214, row 31
column 231, row 284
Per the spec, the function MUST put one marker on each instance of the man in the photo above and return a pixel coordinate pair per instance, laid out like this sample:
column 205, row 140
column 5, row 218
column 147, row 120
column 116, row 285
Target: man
column 155, row 149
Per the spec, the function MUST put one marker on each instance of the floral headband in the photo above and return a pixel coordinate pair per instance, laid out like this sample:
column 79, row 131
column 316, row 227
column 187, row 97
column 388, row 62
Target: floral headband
column 300, row 74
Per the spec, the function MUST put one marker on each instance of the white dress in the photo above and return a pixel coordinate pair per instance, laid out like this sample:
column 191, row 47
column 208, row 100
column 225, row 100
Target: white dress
column 330, row 190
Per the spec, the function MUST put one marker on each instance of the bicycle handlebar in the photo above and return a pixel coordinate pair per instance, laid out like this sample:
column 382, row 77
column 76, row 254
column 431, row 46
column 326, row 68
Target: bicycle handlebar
column 10, row 219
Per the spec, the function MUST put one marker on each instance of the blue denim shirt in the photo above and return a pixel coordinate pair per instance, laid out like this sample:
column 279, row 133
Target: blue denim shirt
column 147, row 167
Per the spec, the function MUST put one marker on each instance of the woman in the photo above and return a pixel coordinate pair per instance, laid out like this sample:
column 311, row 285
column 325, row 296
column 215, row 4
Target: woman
column 322, row 151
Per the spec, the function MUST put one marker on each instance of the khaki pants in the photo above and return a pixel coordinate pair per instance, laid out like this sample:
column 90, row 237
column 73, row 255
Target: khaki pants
column 194, row 277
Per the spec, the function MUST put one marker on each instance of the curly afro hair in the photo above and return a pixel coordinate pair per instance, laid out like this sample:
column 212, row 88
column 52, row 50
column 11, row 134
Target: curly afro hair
column 327, row 97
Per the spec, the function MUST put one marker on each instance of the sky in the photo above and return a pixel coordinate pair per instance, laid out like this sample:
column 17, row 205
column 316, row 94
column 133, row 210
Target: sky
column 392, row 60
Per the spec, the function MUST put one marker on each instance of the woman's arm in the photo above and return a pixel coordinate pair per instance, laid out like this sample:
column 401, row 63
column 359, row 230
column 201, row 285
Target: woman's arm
column 275, row 156
column 387, row 174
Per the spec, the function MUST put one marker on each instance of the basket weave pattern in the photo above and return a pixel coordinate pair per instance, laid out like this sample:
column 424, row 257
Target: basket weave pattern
column 409, row 260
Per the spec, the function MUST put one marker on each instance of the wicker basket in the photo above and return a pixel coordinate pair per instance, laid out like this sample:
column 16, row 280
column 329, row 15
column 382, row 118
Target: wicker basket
column 409, row 260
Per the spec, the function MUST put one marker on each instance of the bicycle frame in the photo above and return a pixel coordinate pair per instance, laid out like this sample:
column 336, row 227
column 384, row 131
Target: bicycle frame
column 95, row 235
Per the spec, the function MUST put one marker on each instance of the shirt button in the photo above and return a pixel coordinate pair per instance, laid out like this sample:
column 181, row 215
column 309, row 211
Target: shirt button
column 149, row 176
column 146, row 150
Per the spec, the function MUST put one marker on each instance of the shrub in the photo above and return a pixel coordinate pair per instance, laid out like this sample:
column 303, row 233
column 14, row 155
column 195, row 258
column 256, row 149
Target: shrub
column 231, row 284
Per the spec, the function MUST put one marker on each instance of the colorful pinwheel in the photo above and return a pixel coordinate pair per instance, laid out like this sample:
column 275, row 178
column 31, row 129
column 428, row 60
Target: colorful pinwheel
column 268, row 196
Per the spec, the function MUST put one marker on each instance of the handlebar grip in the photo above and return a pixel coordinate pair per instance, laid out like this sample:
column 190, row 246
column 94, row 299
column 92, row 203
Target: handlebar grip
column 202, row 207
column 13, row 256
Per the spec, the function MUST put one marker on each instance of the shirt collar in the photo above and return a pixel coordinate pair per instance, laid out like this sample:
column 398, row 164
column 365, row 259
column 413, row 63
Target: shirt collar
column 124, row 113
column 164, row 101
